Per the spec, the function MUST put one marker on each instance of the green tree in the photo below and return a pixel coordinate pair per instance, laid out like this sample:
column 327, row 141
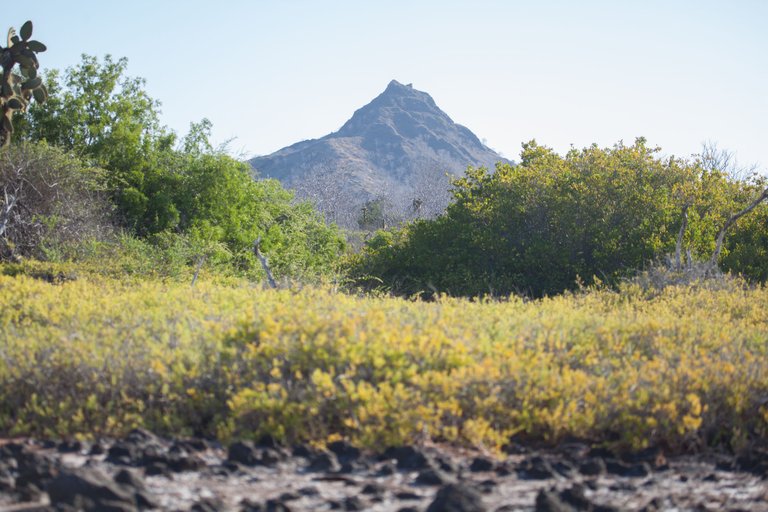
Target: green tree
column 162, row 190
column 544, row 225
column 108, row 119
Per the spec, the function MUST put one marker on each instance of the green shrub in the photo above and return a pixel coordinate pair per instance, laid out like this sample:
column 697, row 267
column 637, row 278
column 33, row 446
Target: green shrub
column 552, row 223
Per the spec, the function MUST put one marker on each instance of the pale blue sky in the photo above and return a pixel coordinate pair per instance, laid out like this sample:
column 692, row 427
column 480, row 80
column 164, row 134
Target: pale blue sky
column 564, row 72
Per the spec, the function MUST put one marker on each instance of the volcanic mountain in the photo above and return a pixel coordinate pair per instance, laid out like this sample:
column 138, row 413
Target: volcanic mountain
column 393, row 147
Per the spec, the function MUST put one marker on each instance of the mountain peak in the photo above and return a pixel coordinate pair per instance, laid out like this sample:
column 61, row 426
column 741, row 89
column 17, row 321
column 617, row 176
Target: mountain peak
column 398, row 139
column 395, row 86
column 394, row 107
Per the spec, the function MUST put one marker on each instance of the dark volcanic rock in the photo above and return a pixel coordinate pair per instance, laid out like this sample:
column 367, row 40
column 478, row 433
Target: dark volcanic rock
column 480, row 464
column 183, row 462
column 34, row 471
column 310, row 490
column 603, row 453
column 563, row 468
column 141, row 436
column 457, row 498
column 690, row 483
column 70, row 447
column 488, row 486
column 446, row 464
column 157, row 468
column 408, row 458
column 407, row 495
column 189, row 445
column 290, row 496
column 549, row 501
column 302, row 450
column 267, row 441
column 755, row 462
column 123, row 453
column 386, row 469
column 7, row 482
column 592, row 467
column 535, row 468
column 627, row 469
column 574, row 496
column 276, row 506
column 373, row 488
column 270, row 457
column 323, row 461
column 208, row 505
column 272, row 505
column 431, row 476
column 243, row 452
column 96, row 449
column 353, row 503
column 344, row 451
column 91, row 489
column 130, row 479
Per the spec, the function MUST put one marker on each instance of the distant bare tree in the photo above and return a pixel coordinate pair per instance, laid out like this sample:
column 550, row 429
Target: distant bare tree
column 428, row 189
column 333, row 193
column 338, row 194
column 715, row 159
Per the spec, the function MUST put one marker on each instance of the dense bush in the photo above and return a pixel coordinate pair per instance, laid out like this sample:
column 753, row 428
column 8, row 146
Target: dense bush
column 550, row 222
column 684, row 367
column 198, row 203
column 747, row 246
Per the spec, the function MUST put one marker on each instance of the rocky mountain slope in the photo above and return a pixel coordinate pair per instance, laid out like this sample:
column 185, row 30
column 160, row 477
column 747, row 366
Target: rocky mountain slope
column 398, row 148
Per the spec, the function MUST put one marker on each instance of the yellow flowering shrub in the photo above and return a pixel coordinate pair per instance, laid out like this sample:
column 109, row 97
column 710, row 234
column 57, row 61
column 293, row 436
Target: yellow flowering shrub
column 94, row 355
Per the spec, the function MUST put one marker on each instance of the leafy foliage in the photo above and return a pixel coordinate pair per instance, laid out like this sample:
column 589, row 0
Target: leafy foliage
column 748, row 246
column 194, row 195
column 542, row 226
column 88, row 355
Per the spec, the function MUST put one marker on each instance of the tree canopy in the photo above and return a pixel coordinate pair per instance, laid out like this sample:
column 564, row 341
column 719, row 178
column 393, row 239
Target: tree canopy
column 162, row 186
column 552, row 222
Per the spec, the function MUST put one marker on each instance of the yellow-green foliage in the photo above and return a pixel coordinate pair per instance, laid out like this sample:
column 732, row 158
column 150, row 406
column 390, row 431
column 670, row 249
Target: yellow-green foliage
column 94, row 356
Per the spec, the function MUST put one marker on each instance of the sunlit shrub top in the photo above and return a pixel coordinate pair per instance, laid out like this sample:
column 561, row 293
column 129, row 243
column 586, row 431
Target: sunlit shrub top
column 685, row 367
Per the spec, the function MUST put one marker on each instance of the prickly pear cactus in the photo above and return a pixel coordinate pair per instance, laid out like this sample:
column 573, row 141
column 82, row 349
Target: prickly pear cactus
column 18, row 89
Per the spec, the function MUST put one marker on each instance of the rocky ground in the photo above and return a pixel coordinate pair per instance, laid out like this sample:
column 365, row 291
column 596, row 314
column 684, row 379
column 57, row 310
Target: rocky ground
column 144, row 472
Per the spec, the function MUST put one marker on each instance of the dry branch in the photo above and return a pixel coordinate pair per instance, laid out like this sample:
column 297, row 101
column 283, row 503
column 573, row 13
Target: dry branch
column 730, row 222
column 264, row 262
column 680, row 235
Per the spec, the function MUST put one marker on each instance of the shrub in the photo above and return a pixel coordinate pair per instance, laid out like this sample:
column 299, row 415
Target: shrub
column 552, row 222
column 49, row 201
column 684, row 367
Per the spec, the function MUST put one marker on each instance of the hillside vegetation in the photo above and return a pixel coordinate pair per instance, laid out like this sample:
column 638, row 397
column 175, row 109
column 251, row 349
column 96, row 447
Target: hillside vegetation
column 85, row 355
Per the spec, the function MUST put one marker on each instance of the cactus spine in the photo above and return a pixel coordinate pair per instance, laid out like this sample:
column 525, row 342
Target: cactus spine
column 18, row 89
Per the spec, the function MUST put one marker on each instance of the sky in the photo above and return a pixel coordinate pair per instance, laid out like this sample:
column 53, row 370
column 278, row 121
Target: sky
column 268, row 74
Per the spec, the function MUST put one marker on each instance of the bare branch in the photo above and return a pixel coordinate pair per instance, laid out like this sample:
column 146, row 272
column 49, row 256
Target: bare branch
column 730, row 222
column 713, row 158
column 200, row 262
column 264, row 262
column 680, row 235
